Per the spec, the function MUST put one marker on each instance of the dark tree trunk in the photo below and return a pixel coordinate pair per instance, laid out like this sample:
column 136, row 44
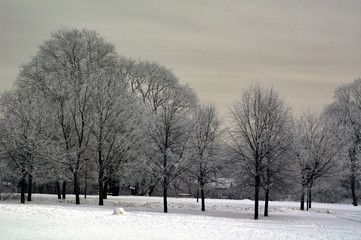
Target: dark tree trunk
column 105, row 190
column 256, row 196
column 165, row 179
column 64, row 189
column 101, row 183
column 76, row 188
column 165, row 204
column 85, row 177
column 22, row 186
column 101, row 189
column 309, row 197
column 266, row 203
column 30, row 186
column 302, row 198
column 58, row 189
column 151, row 189
column 202, row 196
column 353, row 191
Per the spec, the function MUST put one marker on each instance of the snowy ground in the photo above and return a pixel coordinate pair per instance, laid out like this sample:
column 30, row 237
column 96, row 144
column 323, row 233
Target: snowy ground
column 48, row 218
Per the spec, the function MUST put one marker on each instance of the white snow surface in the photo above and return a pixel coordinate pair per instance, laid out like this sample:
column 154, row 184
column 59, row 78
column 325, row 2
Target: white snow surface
column 46, row 217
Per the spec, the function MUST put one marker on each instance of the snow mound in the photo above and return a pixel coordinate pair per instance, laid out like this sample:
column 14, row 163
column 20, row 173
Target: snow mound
column 119, row 211
column 329, row 212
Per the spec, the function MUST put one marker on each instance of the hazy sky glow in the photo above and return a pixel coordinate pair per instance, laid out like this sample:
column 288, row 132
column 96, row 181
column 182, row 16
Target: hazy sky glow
column 304, row 49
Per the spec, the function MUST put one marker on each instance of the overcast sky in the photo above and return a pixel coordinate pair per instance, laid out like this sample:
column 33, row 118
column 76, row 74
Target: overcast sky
column 304, row 48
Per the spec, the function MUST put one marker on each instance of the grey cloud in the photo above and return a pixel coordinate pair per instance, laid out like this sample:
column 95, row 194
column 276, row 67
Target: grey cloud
column 218, row 47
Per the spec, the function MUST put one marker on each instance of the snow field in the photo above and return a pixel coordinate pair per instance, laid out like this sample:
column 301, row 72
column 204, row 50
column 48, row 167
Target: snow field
column 46, row 218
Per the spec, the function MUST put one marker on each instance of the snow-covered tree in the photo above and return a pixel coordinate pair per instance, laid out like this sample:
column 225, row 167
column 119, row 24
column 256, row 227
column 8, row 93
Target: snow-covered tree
column 206, row 161
column 167, row 123
column 148, row 80
column 345, row 116
column 63, row 69
column 24, row 130
column 278, row 165
column 115, row 126
column 316, row 149
column 169, row 129
column 259, row 121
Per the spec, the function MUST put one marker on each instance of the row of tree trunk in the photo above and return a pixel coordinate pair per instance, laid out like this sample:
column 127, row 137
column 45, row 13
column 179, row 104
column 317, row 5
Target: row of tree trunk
column 28, row 188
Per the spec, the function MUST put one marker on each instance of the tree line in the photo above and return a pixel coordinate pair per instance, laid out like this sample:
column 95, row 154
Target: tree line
column 77, row 102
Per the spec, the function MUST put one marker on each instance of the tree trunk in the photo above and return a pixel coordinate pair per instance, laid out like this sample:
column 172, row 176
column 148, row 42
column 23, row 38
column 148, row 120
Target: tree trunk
column 76, row 188
column 101, row 189
column 302, row 198
column 64, row 189
column 105, row 190
column 58, row 189
column 165, row 180
column 202, row 196
column 353, row 191
column 165, row 204
column 85, row 177
column 30, row 186
column 256, row 196
column 309, row 197
column 101, row 183
column 22, row 186
column 151, row 189
column 266, row 203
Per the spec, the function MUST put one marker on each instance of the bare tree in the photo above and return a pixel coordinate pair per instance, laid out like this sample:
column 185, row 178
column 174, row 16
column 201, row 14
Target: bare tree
column 115, row 123
column 277, row 170
column 62, row 70
column 169, row 130
column 24, row 126
column 259, row 120
column 148, row 80
column 167, row 127
column 316, row 149
column 345, row 115
column 206, row 162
